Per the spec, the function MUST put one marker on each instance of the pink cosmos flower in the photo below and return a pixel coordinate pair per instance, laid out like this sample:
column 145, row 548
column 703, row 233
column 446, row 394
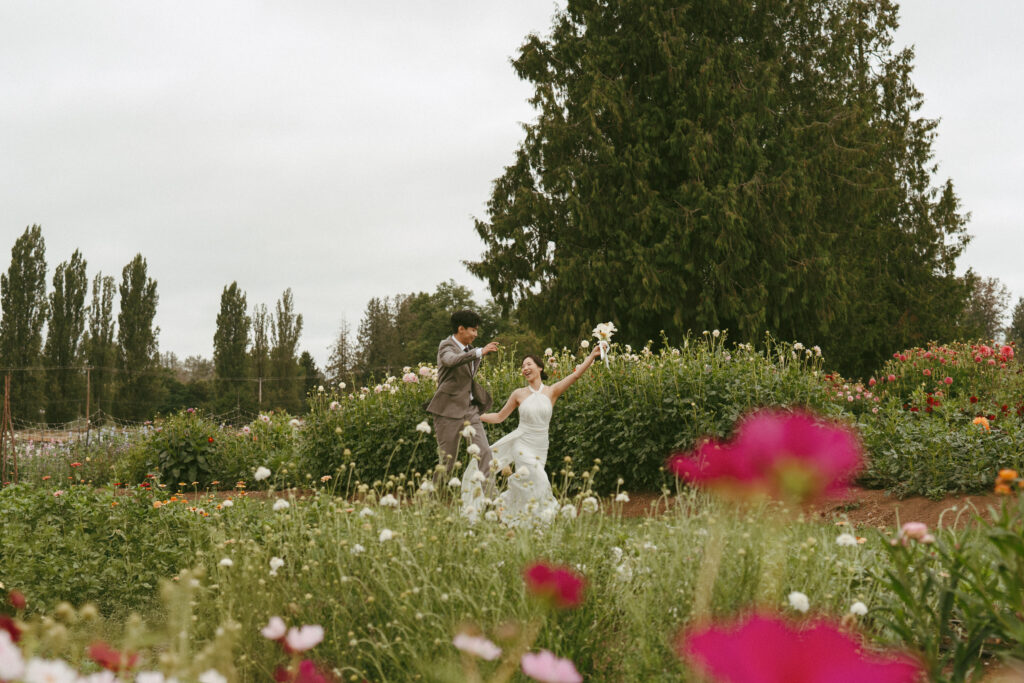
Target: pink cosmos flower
column 986, row 350
column 477, row 645
column 545, row 666
column 774, row 651
column 304, row 638
column 306, row 672
column 790, row 456
column 275, row 630
column 915, row 531
column 559, row 585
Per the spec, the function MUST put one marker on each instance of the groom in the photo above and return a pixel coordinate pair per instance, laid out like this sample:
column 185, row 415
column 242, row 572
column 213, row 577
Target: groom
column 459, row 400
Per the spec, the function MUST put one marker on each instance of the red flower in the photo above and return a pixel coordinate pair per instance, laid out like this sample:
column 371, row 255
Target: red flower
column 559, row 585
column 913, row 409
column 76, row 464
column 791, row 456
column 11, row 626
column 871, row 382
column 974, row 399
column 110, row 659
column 766, row 649
column 948, row 380
column 927, row 372
column 305, row 673
column 986, row 350
column 17, row 599
column 210, row 439
column 892, row 378
column 1006, row 351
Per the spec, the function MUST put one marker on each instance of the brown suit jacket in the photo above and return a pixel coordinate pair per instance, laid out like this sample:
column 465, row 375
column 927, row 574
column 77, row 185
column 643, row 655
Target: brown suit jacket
column 455, row 383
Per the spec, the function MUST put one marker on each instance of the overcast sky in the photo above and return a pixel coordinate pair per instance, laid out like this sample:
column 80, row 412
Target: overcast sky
column 342, row 149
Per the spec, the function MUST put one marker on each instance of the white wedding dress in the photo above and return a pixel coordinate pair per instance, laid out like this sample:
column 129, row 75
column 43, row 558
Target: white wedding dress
column 528, row 500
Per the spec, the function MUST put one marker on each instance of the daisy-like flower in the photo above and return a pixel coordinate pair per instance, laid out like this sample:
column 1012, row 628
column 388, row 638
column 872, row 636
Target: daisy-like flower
column 468, row 432
column 623, row 497
column 846, row 540
column 473, row 450
column 858, row 608
column 477, row 646
column 366, row 512
column 454, row 482
column 427, row 486
column 275, row 564
column 389, row 501
column 226, row 562
column 386, row 535
column 275, row 629
column 281, row 504
column 303, row 638
column 568, row 511
column 589, row 504
column 227, row 503
column 261, row 473
column 423, row 427
column 799, row 601
column 357, row 549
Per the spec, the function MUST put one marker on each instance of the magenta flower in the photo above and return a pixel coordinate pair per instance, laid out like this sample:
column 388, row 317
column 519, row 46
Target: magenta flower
column 766, row 649
column 790, row 456
column 545, row 666
column 560, row 586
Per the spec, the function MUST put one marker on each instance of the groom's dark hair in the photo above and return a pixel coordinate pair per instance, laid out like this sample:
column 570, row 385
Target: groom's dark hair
column 464, row 318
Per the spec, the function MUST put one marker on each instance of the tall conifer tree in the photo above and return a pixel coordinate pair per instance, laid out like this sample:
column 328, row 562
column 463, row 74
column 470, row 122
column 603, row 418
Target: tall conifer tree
column 137, row 342
column 64, row 339
column 24, row 309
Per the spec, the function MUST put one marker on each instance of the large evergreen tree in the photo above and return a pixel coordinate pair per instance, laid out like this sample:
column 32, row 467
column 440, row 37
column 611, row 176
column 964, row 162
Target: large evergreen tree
column 64, row 338
column 286, row 391
column 100, row 343
column 986, row 308
column 24, row 308
column 230, row 346
column 756, row 166
column 341, row 361
column 1015, row 332
column 137, row 342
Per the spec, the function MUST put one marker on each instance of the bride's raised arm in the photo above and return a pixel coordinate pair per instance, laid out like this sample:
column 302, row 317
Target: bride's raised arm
column 511, row 404
column 566, row 382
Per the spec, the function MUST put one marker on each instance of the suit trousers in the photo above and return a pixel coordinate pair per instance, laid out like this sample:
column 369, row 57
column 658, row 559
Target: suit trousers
column 448, row 430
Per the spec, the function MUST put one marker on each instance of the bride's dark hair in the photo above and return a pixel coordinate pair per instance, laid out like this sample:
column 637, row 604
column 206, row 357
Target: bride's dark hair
column 539, row 363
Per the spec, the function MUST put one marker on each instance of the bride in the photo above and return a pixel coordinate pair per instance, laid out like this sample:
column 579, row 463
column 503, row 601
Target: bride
column 528, row 498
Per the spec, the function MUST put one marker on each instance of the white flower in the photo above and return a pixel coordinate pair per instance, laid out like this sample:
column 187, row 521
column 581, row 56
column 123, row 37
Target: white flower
column 568, row 511
column 478, row 477
column 334, row 406
column 584, row 344
column 341, row 385
column 858, row 608
column 295, row 422
column 617, row 553
column 477, row 645
column 11, row 663
column 357, row 549
column 304, row 638
column 320, row 388
column 624, row 572
column 454, row 482
column 275, row 564
column 275, row 629
column 548, row 351
column 799, row 601
column 212, row 676
column 491, row 516
column 423, row 427
column 265, row 419
column 816, row 349
column 715, row 333
column 427, row 486
column 99, row 677
column 261, row 473
column 281, row 504
column 366, row 512
column 604, row 331
column 386, row 535
column 226, row 562
column 153, row 677
column 623, row 497
column 589, row 504
column 227, row 503
column 473, row 450
column 846, row 540
column 798, row 346
column 468, row 432
column 49, row 671
column 389, row 501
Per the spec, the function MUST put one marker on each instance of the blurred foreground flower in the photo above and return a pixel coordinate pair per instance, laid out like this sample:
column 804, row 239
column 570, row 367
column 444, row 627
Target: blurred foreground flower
column 915, row 531
column 111, row 659
column 794, row 457
column 560, row 586
column 767, row 649
column 261, row 473
column 545, row 666
column 477, row 646
column 305, row 672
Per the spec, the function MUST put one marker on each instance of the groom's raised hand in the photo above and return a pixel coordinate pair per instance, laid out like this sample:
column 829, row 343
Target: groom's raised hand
column 490, row 348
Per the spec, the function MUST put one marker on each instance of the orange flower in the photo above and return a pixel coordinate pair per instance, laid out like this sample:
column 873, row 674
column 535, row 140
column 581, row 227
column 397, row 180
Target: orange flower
column 157, row 503
column 983, row 422
column 1003, row 490
column 1008, row 475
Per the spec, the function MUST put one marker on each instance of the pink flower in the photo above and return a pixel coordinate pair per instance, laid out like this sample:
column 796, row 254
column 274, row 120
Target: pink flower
column 927, row 372
column 790, row 456
column 410, row 378
column 986, row 350
column 948, row 380
column 892, row 378
column 305, row 673
column 58, row 493
column 477, row 645
column 545, row 666
column 560, row 585
column 773, row 651
column 304, row 638
column 275, row 630
column 1006, row 351
column 871, row 382
column 915, row 531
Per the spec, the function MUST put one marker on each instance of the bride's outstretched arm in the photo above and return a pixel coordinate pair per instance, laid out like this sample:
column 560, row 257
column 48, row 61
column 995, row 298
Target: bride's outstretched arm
column 560, row 386
column 510, row 405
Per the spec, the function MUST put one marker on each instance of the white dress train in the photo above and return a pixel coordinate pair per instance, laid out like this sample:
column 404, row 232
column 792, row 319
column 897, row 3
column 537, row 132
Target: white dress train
column 528, row 499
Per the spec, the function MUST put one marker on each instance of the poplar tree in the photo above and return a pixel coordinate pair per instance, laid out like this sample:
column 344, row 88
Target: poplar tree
column 100, row 343
column 755, row 166
column 24, row 309
column 285, row 328
column 63, row 348
column 137, row 342
column 231, row 344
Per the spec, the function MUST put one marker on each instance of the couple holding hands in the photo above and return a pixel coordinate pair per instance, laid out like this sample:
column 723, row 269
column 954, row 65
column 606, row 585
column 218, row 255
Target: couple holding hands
column 459, row 408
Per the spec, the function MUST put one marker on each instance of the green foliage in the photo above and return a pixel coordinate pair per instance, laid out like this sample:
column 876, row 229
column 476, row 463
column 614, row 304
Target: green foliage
column 230, row 347
column 186, row 449
column 25, row 311
column 63, row 340
column 1015, row 332
column 137, row 342
column 100, row 344
column 725, row 164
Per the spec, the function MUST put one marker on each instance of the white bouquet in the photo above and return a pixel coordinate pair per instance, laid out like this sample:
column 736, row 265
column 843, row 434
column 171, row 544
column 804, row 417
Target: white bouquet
column 603, row 333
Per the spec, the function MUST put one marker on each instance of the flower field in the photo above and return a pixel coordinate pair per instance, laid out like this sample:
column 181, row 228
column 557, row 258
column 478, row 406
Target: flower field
column 315, row 548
